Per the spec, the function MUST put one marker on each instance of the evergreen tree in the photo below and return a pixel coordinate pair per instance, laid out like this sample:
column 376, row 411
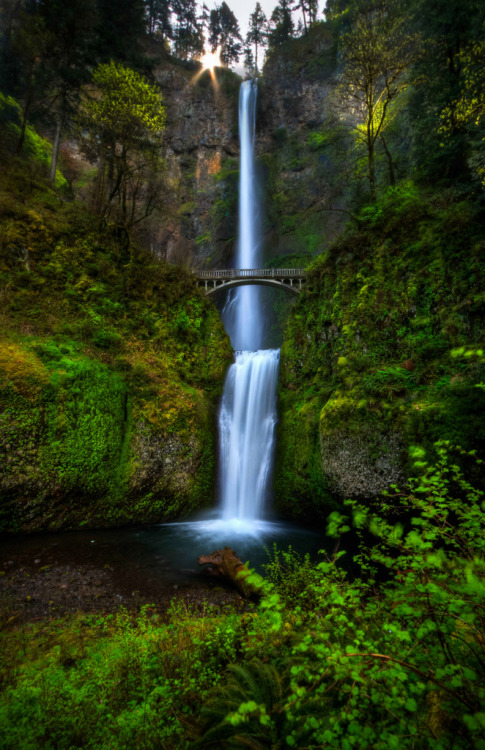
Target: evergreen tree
column 302, row 6
column 312, row 11
column 158, row 18
column 121, row 26
column 224, row 33
column 281, row 26
column 188, row 35
column 249, row 65
column 204, row 19
column 258, row 32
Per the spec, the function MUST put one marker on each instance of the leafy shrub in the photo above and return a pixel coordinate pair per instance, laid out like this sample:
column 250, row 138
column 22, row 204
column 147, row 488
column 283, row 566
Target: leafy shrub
column 399, row 663
column 293, row 576
column 388, row 382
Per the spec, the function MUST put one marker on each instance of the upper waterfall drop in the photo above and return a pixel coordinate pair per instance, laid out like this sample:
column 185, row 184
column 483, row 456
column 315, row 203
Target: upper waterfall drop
column 242, row 315
column 247, row 416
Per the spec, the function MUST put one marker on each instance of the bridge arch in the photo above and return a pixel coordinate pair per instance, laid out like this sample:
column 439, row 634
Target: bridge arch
column 290, row 280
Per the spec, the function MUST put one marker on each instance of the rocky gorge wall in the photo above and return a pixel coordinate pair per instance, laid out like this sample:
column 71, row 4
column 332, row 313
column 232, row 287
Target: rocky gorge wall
column 299, row 148
column 383, row 353
column 201, row 160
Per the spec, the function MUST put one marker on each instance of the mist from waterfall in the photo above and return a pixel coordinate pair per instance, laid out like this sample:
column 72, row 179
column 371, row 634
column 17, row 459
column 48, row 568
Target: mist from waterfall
column 248, row 410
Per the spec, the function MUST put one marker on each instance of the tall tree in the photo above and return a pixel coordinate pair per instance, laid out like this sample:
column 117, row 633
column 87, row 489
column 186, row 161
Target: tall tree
column 302, row 6
column 158, row 18
column 124, row 121
column 30, row 44
column 376, row 53
column 249, row 65
column 68, row 59
column 188, row 32
column 204, row 20
column 281, row 26
column 312, row 9
column 224, row 33
column 258, row 32
column 121, row 27
column 451, row 29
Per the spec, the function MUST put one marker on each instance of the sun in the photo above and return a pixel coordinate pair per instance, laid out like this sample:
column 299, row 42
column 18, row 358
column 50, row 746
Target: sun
column 210, row 60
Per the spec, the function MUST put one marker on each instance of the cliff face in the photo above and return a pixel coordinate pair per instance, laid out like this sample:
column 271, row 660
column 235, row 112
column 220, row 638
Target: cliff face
column 202, row 154
column 366, row 369
column 300, row 146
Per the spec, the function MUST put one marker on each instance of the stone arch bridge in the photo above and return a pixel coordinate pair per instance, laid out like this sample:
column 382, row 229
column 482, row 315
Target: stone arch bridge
column 289, row 279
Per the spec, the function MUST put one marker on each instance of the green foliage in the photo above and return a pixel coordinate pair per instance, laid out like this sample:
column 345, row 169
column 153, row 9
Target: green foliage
column 317, row 140
column 239, row 713
column 388, row 382
column 97, row 340
column 37, row 150
column 377, row 53
column 390, row 658
column 293, row 577
column 124, row 126
column 390, row 299
column 85, row 408
column 446, row 110
column 129, row 107
column 128, row 679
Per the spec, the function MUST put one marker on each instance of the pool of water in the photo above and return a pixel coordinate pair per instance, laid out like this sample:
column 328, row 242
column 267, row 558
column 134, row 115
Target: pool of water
column 166, row 552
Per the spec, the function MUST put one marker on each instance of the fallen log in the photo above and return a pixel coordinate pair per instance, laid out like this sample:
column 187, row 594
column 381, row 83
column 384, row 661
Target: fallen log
column 226, row 564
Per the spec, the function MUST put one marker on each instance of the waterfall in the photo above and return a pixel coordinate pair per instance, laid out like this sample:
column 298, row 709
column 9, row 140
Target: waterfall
column 248, row 410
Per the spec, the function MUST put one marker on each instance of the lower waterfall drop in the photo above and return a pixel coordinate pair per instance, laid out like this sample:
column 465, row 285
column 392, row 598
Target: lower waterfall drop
column 246, row 432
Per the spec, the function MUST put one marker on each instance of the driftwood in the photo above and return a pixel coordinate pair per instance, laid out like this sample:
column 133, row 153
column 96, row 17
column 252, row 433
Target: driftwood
column 224, row 563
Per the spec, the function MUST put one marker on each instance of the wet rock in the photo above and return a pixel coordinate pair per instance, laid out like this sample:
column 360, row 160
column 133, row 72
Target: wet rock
column 361, row 465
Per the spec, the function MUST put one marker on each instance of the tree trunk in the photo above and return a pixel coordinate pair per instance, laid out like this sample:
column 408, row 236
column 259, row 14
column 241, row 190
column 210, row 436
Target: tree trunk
column 392, row 177
column 99, row 187
column 25, row 114
column 370, row 143
column 55, row 148
column 225, row 563
column 123, row 188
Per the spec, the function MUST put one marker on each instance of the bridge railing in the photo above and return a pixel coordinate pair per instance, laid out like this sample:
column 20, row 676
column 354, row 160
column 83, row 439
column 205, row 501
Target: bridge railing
column 255, row 273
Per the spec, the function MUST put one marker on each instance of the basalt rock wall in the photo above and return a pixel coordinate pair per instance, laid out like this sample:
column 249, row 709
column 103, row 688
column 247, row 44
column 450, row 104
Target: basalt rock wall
column 201, row 159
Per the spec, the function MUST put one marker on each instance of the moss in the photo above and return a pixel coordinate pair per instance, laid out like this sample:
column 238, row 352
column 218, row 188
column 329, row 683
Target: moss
column 367, row 345
column 110, row 365
column 301, row 490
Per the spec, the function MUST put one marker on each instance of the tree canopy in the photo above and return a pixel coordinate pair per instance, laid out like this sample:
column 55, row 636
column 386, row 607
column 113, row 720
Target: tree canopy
column 224, row 33
column 377, row 53
column 124, row 119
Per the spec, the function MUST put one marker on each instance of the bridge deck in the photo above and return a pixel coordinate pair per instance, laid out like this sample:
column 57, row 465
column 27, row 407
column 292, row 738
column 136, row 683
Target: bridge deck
column 254, row 273
column 290, row 279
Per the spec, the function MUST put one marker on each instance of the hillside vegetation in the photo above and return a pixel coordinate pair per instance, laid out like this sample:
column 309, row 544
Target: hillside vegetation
column 383, row 351
column 110, row 365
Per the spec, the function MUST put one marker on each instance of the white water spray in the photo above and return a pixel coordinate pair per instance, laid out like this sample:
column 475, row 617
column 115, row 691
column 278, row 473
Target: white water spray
column 248, row 410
